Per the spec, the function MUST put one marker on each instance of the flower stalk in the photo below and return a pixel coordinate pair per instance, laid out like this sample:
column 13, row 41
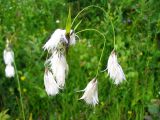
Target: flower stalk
column 91, row 91
column 104, row 44
column 19, row 89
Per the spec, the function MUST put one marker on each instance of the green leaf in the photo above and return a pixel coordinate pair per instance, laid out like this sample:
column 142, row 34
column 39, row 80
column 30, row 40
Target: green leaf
column 77, row 25
column 4, row 115
column 68, row 23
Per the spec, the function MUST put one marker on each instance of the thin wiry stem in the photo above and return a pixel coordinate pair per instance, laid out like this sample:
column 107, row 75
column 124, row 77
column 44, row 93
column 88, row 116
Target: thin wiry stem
column 79, row 14
column 19, row 88
column 104, row 44
column 91, row 6
column 77, row 25
column 114, row 38
column 94, row 6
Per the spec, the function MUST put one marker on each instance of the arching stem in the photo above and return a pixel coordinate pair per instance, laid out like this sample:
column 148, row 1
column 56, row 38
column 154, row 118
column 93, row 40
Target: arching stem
column 104, row 44
column 94, row 6
column 114, row 38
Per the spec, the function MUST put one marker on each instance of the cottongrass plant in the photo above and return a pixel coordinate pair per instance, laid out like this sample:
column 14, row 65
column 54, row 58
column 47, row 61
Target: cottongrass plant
column 8, row 56
column 114, row 69
column 11, row 70
column 56, row 65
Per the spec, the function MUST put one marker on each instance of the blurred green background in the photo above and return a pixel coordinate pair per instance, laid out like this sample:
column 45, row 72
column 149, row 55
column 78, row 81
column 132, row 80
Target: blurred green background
column 29, row 24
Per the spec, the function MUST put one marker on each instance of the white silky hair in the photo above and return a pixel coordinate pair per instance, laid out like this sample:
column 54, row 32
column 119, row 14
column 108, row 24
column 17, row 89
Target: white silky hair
column 114, row 69
column 72, row 38
column 91, row 93
column 50, row 84
column 57, row 37
column 57, row 46
column 8, row 56
column 9, row 71
column 59, row 68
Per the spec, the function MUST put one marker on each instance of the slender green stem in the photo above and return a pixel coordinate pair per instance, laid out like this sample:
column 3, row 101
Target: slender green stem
column 79, row 14
column 19, row 88
column 114, row 38
column 91, row 6
column 91, row 29
column 104, row 44
column 77, row 25
column 94, row 6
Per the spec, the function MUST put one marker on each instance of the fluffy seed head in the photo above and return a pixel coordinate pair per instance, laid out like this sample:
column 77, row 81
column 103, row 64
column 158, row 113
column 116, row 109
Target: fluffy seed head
column 91, row 93
column 8, row 56
column 50, row 84
column 114, row 69
column 9, row 71
column 58, row 40
column 59, row 67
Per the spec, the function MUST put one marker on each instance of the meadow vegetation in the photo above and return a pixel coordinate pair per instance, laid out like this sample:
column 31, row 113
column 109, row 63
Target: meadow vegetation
column 29, row 24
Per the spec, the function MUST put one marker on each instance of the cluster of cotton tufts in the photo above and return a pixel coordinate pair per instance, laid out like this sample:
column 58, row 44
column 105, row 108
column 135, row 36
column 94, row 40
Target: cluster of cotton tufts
column 114, row 69
column 56, row 64
column 8, row 56
column 91, row 93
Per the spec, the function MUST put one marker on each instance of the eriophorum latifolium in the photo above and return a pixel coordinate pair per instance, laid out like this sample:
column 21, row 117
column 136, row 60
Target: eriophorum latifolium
column 10, row 70
column 27, row 25
column 56, row 67
column 8, row 56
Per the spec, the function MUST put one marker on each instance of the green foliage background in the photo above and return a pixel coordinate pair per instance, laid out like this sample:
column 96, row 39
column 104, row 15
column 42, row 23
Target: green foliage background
column 29, row 23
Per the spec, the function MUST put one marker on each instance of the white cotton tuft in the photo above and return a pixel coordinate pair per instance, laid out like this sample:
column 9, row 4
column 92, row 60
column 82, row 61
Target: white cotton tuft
column 56, row 38
column 114, row 69
column 59, row 68
column 50, row 84
column 72, row 38
column 91, row 93
column 8, row 56
column 9, row 71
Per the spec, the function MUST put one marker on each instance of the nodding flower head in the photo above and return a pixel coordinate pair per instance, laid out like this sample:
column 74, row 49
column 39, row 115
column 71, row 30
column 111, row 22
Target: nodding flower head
column 91, row 92
column 59, row 67
column 58, row 40
column 50, row 84
column 114, row 69
column 57, row 45
column 8, row 56
column 9, row 71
